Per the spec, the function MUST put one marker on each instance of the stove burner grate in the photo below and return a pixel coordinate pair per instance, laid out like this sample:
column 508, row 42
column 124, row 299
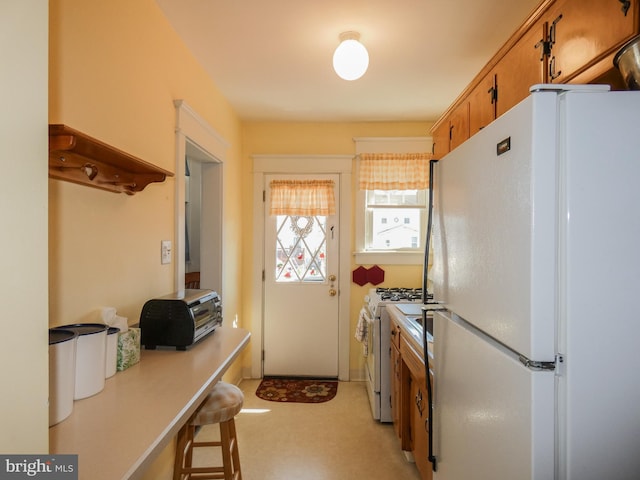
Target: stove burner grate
column 398, row 294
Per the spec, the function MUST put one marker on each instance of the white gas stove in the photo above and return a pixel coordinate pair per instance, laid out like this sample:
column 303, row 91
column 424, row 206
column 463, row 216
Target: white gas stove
column 377, row 361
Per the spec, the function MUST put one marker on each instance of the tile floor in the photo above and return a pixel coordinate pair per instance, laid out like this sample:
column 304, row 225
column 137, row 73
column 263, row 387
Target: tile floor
column 335, row 440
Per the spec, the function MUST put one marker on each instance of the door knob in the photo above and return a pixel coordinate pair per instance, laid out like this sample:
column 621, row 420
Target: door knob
column 332, row 278
column 332, row 292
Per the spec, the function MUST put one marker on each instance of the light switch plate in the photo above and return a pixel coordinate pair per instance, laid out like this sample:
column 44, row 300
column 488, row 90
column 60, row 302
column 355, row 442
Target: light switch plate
column 165, row 252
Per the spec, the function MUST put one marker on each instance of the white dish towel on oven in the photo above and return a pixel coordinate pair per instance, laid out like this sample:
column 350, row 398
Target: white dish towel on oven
column 361, row 332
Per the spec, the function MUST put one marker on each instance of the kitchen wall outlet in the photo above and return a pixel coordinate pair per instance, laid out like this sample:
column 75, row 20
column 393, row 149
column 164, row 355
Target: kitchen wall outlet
column 165, row 252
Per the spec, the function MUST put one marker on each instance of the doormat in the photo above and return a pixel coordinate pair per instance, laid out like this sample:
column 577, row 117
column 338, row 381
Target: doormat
column 300, row 390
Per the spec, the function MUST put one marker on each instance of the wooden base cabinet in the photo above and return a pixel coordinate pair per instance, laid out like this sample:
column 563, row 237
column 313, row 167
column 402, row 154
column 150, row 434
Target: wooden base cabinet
column 419, row 425
column 409, row 402
column 396, row 379
column 415, row 400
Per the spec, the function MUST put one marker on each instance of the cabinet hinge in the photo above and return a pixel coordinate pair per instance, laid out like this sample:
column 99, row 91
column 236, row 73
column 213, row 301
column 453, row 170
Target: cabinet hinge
column 626, row 4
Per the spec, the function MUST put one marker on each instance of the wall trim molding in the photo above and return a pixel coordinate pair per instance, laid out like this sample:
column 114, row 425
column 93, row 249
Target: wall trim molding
column 196, row 137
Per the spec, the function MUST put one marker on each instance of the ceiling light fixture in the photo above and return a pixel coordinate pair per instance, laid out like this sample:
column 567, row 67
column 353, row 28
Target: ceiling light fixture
column 351, row 59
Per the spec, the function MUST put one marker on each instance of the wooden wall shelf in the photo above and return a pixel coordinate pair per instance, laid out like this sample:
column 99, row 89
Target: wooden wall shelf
column 78, row 158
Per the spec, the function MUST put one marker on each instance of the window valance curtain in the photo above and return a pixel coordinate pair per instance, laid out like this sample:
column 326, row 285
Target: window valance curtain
column 302, row 197
column 394, row 171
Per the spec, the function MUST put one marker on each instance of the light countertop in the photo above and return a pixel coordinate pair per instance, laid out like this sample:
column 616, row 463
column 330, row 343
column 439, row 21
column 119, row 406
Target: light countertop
column 410, row 328
column 118, row 432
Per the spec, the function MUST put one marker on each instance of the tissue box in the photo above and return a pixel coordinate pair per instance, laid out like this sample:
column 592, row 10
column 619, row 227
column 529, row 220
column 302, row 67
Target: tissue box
column 128, row 348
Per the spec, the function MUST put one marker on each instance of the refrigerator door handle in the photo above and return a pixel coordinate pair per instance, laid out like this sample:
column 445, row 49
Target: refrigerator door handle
column 429, row 422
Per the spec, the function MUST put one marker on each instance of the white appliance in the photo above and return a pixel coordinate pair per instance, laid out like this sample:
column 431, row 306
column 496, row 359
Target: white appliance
column 377, row 368
column 537, row 260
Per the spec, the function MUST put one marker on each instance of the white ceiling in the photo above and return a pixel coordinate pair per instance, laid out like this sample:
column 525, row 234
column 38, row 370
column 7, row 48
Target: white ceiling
column 272, row 59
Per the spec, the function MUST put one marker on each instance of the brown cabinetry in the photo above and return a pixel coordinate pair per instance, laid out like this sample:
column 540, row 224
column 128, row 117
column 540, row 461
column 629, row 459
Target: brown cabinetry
column 440, row 137
column 409, row 400
column 452, row 132
column 459, row 125
column 562, row 41
column 584, row 32
column 396, row 379
column 482, row 103
column 523, row 65
column 417, row 404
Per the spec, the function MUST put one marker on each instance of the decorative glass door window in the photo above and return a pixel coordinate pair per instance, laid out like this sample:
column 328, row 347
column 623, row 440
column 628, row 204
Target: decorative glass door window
column 301, row 254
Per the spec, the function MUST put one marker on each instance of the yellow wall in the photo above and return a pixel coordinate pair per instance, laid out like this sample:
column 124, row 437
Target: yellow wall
column 322, row 139
column 116, row 68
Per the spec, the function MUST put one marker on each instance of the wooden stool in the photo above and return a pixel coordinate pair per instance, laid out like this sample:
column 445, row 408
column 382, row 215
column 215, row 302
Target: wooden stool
column 220, row 406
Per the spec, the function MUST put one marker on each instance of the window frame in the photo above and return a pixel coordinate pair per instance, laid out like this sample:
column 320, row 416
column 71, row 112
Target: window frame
column 391, row 257
column 369, row 223
column 387, row 257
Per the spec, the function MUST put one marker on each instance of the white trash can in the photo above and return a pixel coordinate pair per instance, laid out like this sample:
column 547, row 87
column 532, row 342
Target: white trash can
column 91, row 349
column 62, row 373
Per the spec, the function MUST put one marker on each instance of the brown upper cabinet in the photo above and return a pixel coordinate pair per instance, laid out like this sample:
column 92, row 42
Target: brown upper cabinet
column 523, row 65
column 562, row 41
column 440, row 136
column 483, row 101
column 583, row 32
column 459, row 125
column 452, row 132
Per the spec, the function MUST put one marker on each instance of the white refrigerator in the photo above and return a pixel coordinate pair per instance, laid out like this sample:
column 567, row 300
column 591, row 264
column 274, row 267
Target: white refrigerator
column 536, row 241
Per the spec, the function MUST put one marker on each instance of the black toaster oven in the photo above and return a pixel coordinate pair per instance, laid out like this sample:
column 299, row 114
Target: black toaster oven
column 179, row 319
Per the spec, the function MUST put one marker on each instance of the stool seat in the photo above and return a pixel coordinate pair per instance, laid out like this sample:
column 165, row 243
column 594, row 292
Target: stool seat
column 221, row 406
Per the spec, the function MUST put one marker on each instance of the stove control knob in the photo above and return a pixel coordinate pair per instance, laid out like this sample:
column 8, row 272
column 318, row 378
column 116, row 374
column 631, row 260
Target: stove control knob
column 333, row 292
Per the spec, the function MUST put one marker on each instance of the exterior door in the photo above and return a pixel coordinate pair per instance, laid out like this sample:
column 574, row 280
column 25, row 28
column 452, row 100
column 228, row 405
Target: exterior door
column 301, row 314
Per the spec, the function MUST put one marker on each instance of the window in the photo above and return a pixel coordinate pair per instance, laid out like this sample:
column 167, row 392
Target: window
column 394, row 219
column 391, row 200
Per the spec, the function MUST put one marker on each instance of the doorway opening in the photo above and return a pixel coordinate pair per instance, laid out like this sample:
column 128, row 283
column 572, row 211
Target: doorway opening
column 199, row 146
column 203, row 218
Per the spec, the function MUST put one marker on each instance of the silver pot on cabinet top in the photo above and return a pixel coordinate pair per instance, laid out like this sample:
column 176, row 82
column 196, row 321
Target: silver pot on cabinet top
column 627, row 60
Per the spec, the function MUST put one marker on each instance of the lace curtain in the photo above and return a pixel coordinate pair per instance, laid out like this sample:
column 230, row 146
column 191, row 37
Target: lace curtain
column 394, row 171
column 302, row 197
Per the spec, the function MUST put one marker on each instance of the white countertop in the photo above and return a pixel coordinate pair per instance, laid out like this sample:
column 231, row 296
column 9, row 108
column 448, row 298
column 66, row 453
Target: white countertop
column 410, row 326
column 118, row 432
